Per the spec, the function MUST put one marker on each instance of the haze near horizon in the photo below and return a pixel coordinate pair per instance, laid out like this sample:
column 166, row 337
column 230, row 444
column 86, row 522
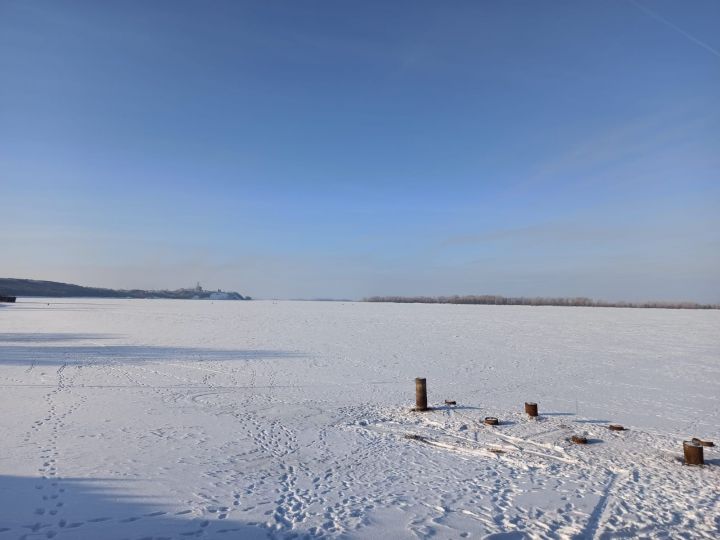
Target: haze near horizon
column 363, row 148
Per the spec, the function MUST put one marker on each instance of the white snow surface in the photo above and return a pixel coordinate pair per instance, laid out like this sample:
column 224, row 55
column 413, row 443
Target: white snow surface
column 177, row 419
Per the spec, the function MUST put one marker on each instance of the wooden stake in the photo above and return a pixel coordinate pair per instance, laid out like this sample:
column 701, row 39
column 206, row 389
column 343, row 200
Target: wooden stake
column 420, row 395
column 531, row 409
column 693, row 453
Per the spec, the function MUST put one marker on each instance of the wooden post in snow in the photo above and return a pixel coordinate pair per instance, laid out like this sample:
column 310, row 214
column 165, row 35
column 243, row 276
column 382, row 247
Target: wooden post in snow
column 531, row 409
column 420, row 395
column 693, row 453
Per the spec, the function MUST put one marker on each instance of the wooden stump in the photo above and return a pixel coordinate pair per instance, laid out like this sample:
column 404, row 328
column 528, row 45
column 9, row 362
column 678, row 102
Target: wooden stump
column 693, row 453
column 491, row 421
column 420, row 395
column 578, row 439
column 616, row 427
column 531, row 409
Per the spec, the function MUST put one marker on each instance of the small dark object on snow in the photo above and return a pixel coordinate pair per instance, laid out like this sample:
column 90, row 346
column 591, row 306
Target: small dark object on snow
column 578, row 439
column 702, row 443
column 8, row 299
column 616, row 427
column 693, row 453
column 491, row 421
column 531, row 409
column 414, row 437
column 450, row 402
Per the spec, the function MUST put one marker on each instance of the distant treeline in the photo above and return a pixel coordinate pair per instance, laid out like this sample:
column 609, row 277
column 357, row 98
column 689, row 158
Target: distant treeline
column 494, row 300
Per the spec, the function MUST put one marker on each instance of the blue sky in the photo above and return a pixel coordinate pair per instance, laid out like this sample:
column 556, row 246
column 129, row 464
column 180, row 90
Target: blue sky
column 347, row 149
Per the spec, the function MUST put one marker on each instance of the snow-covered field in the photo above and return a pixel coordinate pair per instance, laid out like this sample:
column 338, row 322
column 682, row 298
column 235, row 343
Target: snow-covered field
column 180, row 419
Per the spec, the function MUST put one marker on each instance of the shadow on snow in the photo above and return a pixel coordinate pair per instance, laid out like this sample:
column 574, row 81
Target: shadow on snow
column 39, row 337
column 19, row 349
column 81, row 508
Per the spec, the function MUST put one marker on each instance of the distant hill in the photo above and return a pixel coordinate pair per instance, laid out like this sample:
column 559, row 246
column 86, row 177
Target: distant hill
column 54, row 289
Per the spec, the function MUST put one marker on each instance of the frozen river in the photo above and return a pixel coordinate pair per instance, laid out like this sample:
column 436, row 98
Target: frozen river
column 175, row 419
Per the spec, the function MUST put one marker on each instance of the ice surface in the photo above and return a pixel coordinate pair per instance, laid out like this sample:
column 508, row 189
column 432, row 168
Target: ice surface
column 181, row 419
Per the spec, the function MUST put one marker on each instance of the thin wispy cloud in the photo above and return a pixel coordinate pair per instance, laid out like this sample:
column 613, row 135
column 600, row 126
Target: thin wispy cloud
column 655, row 15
